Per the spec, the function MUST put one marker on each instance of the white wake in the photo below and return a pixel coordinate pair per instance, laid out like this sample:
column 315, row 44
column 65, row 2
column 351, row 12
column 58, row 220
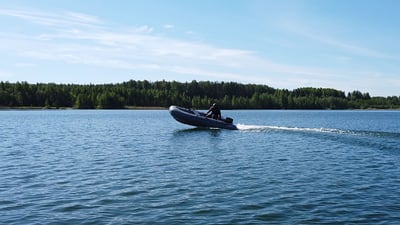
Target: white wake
column 259, row 128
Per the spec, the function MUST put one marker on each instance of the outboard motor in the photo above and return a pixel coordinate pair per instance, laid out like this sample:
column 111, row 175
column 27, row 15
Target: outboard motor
column 228, row 120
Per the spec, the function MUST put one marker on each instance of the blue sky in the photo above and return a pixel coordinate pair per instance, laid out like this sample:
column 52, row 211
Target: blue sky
column 342, row 44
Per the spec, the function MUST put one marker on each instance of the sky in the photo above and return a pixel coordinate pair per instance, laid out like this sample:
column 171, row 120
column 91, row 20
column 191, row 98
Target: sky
column 287, row 44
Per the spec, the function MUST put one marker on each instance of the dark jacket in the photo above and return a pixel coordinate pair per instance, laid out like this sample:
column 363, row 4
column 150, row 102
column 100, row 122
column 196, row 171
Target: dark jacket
column 215, row 112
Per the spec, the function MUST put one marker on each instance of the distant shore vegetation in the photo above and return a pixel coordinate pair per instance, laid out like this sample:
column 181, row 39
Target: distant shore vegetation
column 195, row 94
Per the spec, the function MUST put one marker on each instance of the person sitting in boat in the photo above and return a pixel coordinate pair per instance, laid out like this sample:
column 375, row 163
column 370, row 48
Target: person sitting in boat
column 214, row 112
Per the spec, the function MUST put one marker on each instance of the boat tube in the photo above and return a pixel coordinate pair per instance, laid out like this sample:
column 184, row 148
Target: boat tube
column 199, row 119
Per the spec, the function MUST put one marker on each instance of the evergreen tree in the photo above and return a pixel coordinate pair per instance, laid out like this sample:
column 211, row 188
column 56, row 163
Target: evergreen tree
column 196, row 94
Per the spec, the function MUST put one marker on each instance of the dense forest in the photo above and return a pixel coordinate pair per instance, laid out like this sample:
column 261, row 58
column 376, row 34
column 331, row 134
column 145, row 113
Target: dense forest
column 229, row 95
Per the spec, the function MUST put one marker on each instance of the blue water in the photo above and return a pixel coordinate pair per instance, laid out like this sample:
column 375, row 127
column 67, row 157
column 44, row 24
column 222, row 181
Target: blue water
column 143, row 167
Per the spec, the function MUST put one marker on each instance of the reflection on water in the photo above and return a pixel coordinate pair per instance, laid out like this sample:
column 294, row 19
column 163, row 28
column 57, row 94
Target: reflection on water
column 195, row 130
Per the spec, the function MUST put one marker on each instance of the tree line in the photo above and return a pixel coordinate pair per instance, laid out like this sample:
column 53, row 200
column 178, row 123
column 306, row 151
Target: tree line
column 229, row 95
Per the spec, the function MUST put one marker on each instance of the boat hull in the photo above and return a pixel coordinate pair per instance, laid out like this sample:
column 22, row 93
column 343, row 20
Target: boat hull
column 198, row 119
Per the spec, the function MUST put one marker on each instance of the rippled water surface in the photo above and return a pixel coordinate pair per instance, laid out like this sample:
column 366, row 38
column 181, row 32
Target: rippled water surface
column 143, row 167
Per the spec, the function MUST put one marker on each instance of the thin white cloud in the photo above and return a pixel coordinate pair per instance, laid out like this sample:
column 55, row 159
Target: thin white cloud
column 348, row 47
column 24, row 64
column 53, row 19
column 89, row 19
column 144, row 29
column 134, row 47
column 302, row 29
column 168, row 26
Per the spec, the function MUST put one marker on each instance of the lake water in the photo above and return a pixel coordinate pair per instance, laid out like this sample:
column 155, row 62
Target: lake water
column 143, row 167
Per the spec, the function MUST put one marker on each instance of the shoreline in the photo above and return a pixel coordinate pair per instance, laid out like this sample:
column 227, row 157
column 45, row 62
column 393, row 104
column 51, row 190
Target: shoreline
column 22, row 108
column 72, row 108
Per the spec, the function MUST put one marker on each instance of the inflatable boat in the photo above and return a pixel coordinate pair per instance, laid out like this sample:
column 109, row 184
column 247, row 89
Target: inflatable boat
column 199, row 119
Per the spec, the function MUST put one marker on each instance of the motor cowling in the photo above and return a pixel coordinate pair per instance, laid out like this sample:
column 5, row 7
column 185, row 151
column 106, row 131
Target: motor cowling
column 228, row 120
